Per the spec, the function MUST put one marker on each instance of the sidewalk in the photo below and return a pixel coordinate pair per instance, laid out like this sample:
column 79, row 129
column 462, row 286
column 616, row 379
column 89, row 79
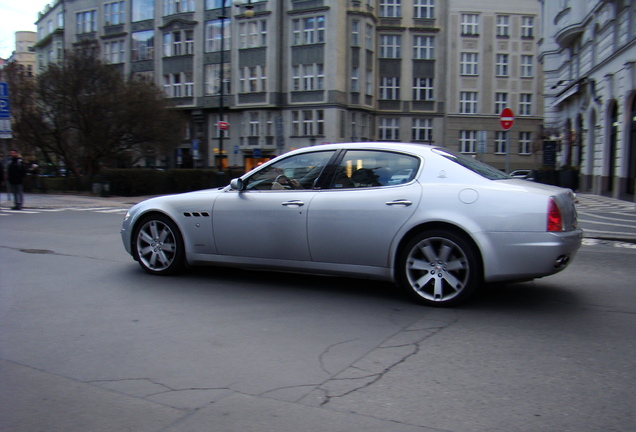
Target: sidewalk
column 53, row 201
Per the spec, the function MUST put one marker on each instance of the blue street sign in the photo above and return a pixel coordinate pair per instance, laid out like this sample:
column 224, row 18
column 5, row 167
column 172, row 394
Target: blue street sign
column 5, row 112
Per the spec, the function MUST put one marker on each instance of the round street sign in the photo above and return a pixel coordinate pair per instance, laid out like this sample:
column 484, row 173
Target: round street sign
column 506, row 118
column 223, row 125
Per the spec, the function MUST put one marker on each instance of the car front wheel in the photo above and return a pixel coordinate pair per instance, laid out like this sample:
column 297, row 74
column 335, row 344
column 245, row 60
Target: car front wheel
column 439, row 268
column 158, row 245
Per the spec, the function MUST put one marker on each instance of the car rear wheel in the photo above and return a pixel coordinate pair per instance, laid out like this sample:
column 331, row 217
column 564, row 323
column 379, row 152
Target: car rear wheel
column 439, row 268
column 158, row 245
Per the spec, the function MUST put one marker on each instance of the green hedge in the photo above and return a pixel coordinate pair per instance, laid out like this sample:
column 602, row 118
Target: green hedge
column 136, row 182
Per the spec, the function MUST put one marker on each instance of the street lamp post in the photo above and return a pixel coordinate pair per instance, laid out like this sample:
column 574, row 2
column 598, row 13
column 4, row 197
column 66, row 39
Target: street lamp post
column 249, row 9
column 221, row 91
column 248, row 14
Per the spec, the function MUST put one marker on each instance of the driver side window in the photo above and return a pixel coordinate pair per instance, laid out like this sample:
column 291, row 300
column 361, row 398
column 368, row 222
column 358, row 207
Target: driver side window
column 295, row 172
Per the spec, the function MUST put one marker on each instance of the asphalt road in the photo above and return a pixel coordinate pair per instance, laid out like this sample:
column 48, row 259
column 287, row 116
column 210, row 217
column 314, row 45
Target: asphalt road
column 88, row 342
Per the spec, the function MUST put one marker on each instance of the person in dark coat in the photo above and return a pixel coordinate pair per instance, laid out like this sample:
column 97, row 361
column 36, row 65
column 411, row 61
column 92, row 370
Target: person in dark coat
column 15, row 176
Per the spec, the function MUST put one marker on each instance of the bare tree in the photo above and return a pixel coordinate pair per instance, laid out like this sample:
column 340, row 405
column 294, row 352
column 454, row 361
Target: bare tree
column 85, row 112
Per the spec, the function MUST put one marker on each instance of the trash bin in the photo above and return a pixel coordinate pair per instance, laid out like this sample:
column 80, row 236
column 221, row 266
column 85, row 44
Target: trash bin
column 105, row 189
column 97, row 188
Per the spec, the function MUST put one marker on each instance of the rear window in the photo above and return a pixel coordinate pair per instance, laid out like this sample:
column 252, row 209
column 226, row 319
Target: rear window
column 473, row 164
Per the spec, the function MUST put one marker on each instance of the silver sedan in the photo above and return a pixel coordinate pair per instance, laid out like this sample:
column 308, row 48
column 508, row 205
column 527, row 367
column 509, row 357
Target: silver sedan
column 438, row 223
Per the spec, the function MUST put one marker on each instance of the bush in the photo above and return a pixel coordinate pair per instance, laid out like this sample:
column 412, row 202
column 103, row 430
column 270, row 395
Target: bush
column 136, row 181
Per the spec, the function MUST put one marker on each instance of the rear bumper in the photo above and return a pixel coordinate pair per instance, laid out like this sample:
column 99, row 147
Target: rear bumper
column 528, row 255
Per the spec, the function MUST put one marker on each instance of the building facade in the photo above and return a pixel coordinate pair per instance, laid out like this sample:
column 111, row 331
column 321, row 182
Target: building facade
column 24, row 54
column 588, row 51
column 260, row 77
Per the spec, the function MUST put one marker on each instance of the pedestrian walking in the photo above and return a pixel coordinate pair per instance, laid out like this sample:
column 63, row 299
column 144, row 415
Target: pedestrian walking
column 15, row 176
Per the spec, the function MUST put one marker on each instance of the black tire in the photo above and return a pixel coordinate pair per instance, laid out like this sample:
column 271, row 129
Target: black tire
column 439, row 268
column 157, row 245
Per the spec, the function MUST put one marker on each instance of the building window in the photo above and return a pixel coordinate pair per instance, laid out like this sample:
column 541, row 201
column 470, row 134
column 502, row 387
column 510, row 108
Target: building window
column 188, row 84
column 470, row 25
column 86, row 22
column 390, row 88
column 143, row 10
column 501, row 141
column 423, row 130
column 143, row 45
column 295, row 123
column 355, row 79
column 501, row 102
column 254, row 126
column 114, row 51
column 526, row 66
column 171, row 7
column 218, row 4
column 177, row 43
column 308, row 77
column 468, row 102
column 424, row 9
column 424, row 47
column 467, row 141
column 423, row 89
column 389, row 129
column 501, row 65
column 213, row 34
column 253, row 79
column 213, row 79
column 307, row 31
column 253, row 34
column 368, row 83
column 311, row 121
column 390, row 46
column 525, row 143
column 390, row 8
column 468, row 63
column 525, row 104
column 114, row 13
column 503, row 26
column 178, row 85
column 368, row 37
column 527, row 27
column 308, row 122
column 355, row 33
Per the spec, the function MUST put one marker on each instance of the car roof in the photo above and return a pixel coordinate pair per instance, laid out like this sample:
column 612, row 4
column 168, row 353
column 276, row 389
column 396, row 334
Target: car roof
column 371, row 145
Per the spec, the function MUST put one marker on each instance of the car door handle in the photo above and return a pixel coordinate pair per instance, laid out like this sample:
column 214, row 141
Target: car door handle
column 291, row 203
column 400, row 202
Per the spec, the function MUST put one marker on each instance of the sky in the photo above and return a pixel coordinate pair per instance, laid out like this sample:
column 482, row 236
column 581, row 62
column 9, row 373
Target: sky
column 17, row 15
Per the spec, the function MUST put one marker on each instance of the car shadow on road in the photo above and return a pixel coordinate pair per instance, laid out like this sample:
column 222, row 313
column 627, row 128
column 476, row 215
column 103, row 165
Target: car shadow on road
column 516, row 296
column 538, row 296
column 211, row 278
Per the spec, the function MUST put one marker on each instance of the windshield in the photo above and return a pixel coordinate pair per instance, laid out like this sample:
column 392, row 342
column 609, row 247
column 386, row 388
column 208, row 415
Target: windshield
column 473, row 164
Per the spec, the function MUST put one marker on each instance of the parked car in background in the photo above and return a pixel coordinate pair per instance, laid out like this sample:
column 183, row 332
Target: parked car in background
column 525, row 174
column 437, row 223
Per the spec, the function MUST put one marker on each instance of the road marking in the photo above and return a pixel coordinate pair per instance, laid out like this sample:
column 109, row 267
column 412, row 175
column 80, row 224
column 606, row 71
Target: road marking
column 618, row 244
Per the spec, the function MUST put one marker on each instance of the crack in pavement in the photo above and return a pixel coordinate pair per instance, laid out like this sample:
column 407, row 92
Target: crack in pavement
column 372, row 367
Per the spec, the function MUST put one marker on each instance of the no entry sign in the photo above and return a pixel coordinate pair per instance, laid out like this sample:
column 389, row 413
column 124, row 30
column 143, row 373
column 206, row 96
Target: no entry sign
column 506, row 118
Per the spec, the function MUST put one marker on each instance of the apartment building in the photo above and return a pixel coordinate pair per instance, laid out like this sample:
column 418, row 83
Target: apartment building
column 260, row 77
column 23, row 55
column 588, row 51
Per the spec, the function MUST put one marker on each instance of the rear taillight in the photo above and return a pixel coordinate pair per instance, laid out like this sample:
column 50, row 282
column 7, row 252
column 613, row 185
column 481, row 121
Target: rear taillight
column 555, row 220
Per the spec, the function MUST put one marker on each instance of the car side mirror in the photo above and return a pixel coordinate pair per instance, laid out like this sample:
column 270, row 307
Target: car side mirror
column 237, row 184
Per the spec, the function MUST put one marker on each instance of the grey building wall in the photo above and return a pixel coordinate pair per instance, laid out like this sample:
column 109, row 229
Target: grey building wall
column 272, row 115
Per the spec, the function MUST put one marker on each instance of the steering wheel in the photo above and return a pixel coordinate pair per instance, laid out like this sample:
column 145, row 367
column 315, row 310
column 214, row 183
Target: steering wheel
column 286, row 182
